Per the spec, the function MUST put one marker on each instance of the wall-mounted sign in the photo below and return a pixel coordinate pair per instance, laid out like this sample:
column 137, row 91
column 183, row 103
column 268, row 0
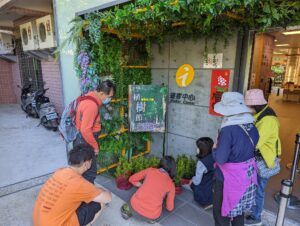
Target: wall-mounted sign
column 147, row 108
column 214, row 60
column 182, row 98
column 219, row 85
column 185, row 75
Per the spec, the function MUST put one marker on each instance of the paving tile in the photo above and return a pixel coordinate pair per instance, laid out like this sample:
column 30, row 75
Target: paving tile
column 125, row 195
column 186, row 196
column 103, row 178
column 194, row 214
column 165, row 213
column 175, row 220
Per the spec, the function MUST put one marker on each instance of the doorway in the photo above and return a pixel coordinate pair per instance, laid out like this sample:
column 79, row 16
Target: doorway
column 275, row 68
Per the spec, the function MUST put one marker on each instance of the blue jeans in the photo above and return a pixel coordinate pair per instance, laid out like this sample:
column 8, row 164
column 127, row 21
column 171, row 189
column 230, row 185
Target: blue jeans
column 259, row 198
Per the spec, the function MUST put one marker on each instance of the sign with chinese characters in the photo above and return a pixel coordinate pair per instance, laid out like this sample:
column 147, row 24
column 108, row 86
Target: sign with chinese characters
column 214, row 60
column 219, row 85
column 182, row 98
column 147, row 108
column 185, row 75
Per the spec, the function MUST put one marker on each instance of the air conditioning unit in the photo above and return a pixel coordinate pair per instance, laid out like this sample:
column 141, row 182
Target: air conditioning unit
column 7, row 43
column 45, row 26
column 29, row 35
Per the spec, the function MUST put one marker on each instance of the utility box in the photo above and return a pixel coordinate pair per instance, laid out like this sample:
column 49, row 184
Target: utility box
column 46, row 32
column 29, row 36
column 7, row 43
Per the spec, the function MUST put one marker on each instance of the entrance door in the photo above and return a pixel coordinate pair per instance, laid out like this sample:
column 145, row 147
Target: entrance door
column 260, row 76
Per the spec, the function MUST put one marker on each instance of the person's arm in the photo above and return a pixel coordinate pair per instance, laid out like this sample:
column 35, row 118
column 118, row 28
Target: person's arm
column 104, row 197
column 87, row 122
column 170, row 198
column 222, row 151
column 200, row 170
column 137, row 177
column 87, row 192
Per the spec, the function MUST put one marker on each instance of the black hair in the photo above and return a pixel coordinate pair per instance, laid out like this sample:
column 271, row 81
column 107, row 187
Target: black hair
column 106, row 87
column 205, row 145
column 258, row 108
column 80, row 154
column 169, row 165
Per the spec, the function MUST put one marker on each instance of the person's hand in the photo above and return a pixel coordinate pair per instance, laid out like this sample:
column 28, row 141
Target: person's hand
column 96, row 151
column 215, row 145
column 138, row 184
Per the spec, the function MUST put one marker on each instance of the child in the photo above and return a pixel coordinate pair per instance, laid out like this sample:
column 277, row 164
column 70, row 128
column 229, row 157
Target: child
column 153, row 186
column 202, row 182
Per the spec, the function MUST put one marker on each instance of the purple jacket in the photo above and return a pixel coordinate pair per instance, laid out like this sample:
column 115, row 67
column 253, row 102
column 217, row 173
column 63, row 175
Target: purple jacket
column 236, row 182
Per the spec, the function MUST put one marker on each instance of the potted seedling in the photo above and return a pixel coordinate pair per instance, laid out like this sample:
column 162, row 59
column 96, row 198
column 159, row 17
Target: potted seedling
column 189, row 170
column 123, row 172
column 178, row 187
column 182, row 163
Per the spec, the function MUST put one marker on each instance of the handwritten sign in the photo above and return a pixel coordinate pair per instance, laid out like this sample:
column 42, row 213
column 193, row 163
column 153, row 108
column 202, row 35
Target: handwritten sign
column 185, row 75
column 219, row 85
column 214, row 60
column 147, row 108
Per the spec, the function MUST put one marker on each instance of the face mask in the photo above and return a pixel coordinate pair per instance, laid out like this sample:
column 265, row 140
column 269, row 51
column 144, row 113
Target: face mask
column 106, row 101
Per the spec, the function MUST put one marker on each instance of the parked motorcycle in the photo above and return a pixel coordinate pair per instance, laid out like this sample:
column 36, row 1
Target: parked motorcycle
column 46, row 110
column 27, row 101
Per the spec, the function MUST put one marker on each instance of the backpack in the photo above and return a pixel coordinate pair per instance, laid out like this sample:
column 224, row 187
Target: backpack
column 67, row 126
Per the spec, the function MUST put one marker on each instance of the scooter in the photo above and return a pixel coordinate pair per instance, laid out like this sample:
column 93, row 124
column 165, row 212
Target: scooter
column 27, row 101
column 46, row 110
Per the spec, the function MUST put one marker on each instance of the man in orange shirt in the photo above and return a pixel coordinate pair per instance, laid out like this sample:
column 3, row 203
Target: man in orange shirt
column 88, row 121
column 67, row 199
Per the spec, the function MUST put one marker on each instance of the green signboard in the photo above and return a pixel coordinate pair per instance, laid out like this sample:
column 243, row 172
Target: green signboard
column 147, row 108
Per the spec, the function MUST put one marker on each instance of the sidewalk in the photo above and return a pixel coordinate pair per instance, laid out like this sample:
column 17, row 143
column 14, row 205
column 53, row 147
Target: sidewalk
column 16, row 210
column 27, row 151
column 187, row 212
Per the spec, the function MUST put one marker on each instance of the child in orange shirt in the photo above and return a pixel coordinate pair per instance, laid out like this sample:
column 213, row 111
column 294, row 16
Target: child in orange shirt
column 153, row 186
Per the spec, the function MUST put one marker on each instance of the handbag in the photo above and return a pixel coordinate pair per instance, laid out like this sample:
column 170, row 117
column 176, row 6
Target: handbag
column 262, row 169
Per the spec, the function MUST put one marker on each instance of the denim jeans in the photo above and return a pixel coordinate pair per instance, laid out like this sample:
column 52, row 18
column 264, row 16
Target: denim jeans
column 259, row 198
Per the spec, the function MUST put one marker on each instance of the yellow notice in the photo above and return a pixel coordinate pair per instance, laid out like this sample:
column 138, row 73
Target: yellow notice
column 185, row 75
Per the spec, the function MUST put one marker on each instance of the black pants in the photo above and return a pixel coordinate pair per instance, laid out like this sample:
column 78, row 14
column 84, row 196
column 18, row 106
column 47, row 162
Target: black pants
column 86, row 212
column 217, row 203
column 91, row 173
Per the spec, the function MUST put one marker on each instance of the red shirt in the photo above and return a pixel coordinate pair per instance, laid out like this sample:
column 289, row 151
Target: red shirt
column 148, row 199
column 88, row 119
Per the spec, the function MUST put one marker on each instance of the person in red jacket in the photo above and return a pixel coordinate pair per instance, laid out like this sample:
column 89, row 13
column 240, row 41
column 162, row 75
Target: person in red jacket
column 88, row 121
column 153, row 186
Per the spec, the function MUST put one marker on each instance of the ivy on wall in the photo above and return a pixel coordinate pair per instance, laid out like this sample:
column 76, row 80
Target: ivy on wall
column 106, row 42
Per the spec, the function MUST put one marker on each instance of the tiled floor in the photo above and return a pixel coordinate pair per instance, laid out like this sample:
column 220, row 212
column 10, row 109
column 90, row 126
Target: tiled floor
column 186, row 212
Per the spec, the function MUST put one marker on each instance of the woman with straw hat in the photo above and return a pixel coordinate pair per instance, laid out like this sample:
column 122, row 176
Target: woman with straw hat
column 236, row 177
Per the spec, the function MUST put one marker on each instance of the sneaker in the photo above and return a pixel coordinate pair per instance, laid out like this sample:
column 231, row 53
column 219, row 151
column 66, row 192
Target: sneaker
column 251, row 221
column 151, row 221
column 126, row 212
column 207, row 207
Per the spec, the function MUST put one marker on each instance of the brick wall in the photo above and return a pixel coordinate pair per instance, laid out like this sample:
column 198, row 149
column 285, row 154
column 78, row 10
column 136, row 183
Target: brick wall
column 16, row 76
column 52, row 77
column 7, row 94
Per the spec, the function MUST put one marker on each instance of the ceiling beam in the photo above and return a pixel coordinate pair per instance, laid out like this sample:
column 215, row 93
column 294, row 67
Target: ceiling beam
column 27, row 12
column 7, row 28
column 24, row 19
